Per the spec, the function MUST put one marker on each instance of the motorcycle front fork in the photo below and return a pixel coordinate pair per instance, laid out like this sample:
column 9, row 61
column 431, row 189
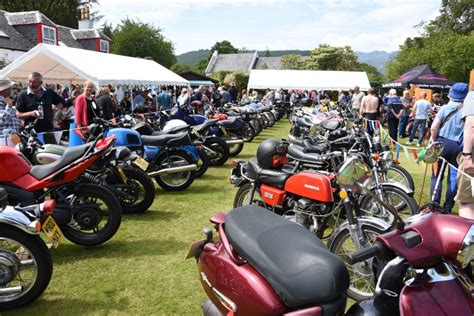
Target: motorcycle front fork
column 354, row 227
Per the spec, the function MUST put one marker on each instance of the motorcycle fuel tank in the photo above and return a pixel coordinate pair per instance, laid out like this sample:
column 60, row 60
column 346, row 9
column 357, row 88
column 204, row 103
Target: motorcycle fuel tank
column 311, row 185
column 126, row 137
column 11, row 157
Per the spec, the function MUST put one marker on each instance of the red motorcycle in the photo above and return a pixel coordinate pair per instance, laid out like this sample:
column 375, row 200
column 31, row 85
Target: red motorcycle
column 262, row 264
column 87, row 214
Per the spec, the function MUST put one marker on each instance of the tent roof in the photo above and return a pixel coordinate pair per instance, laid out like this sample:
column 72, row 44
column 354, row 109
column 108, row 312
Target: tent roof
column 422, row 75
column 308, row 79
column 65, row 65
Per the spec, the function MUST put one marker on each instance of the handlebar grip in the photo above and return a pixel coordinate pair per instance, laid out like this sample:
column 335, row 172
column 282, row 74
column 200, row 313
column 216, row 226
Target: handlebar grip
column 365, row 253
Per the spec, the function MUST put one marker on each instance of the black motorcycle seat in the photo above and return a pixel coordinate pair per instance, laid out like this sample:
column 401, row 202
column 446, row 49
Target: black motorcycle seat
column 304, row 122
column 298, row 153
column 172, row 140
column 292, row 259
column 309, row 145
column 70, row 154
column 275, row 178
column 207, row 123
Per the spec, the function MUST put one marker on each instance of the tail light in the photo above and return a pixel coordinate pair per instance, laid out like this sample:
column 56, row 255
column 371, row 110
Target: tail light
column 234, row 163
column 49, row 206
column 376, row 157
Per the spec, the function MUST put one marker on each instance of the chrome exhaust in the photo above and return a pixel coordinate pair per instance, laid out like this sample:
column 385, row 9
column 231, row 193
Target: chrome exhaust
column 11, row 290
column 234, row 141
column 192, row 167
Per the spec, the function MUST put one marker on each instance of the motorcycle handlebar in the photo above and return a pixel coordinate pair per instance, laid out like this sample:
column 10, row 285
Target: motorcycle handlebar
column 365, row 253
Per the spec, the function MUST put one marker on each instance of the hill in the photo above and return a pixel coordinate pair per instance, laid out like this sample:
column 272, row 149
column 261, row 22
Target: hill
column 377, row 59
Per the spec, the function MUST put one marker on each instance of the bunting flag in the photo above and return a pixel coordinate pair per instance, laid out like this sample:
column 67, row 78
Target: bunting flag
column 435, row 169
column 415, row 154
column 405, row 151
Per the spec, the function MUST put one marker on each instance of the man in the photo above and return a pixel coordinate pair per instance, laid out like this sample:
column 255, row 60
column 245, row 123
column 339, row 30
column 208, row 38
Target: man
column 447, row 128
column 465, row 196
column 233, row 92
column 420, row 110
column 9, row 123
column 406, row 102
column 36, row 95
column 357, row 100
column 369, row 108
column 225, row 95
column 164, row 99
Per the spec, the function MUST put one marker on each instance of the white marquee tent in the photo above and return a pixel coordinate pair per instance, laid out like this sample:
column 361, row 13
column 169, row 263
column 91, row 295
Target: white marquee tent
column 308, row 79
column 66, row 65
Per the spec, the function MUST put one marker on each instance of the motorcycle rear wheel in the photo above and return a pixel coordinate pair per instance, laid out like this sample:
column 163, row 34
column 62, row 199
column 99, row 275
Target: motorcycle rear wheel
column 18, row 247
column 88, row 213
column 203, row 163
column 220, row 148
column 141, row 189
column 178, row 181
column 235, row 149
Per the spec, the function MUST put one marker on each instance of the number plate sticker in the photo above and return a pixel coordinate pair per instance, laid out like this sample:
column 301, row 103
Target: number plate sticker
column 52, row 231
column 141, row 163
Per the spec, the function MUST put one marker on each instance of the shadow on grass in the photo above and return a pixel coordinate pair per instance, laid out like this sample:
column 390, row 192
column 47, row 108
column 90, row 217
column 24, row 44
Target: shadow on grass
column 152, row 215
column 117, row 249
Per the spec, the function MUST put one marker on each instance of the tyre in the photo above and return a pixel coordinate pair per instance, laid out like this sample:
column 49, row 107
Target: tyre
column 16, row 247
column 264, row 121
column 203, row 163
column 96, row 214
column 242, row 197
column 249, row 133
column 397, row 173
column 234, row 149
column 362, row 282
column 140, row 191
column 217, row 151
column 177, row 181
column 405, row 204
column 271, row 119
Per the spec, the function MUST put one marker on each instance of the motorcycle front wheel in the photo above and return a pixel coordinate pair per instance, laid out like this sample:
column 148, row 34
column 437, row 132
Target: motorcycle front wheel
column 405, row 204
column 399, row 174
column 242, row 197
column 362, row 281
column 26, row 267
column 177, row 181
column 96, row 214
column 234, row 149
column 203, row 163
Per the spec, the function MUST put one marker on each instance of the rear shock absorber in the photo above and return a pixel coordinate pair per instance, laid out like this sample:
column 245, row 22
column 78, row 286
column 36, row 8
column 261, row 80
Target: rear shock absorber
column 92, row 178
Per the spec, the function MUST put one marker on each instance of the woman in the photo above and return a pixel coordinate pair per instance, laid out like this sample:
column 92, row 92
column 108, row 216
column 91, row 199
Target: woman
column 85, row 110
column 394, row 112
column 244, row 100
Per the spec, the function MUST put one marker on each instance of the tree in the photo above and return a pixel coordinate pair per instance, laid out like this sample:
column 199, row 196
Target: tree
column 238, row 78
column 224, row 47
column 456, row 16
column 108, row 30
column 375, row 78
column 179, row 68
column 292, row 62
column 267, row 53
column 201, row 66
column 138, row 39
column 327, row 57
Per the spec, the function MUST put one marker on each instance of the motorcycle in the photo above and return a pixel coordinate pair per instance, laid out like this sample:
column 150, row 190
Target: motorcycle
column 88, row 214
column 26, row 265
column 114, row 170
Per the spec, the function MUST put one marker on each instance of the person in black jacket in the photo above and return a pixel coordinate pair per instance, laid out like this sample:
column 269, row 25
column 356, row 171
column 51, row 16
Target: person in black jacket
column 104, row 102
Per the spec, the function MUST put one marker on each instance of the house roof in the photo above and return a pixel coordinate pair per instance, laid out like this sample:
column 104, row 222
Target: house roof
column 268, row 63
column 90, row 33
column 66, row 36
column 15, row 40
column 28, row 17
column 231, row 62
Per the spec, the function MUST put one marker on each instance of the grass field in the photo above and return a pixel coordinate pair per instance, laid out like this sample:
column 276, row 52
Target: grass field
column 142, row 269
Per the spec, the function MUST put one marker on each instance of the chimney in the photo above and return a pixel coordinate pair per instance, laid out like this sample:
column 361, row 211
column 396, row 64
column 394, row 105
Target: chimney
column 85, row 22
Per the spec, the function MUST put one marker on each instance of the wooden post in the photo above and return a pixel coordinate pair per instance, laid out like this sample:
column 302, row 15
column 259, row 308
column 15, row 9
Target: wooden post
column 471, row 81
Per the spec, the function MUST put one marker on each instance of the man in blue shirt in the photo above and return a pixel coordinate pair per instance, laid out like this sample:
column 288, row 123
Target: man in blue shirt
column 164, row 99
column 9, row 123
column 447, row 128
column 421, row 109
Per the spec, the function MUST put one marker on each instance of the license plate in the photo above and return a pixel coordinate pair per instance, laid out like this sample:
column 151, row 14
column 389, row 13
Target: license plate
column 122, row 174
column 52, row 231
column 141, row 163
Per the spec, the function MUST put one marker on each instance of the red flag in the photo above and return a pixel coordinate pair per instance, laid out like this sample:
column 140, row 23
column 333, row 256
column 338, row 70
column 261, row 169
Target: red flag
column 435, row 169
column 415, row 154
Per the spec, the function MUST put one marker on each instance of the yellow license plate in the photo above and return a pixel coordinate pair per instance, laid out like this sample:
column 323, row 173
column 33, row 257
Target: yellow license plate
column 52, row 231
column 141, row 163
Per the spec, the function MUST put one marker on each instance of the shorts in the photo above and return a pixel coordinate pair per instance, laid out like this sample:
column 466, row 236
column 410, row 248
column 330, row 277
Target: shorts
column 464, row 194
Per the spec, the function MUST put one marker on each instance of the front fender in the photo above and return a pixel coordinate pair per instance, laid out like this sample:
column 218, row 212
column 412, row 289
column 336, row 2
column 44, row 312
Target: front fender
column 362, row 220
column 10, row 216
column 400, row 186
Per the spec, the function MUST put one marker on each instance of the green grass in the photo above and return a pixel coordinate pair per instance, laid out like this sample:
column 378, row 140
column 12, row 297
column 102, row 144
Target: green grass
column 142, row 269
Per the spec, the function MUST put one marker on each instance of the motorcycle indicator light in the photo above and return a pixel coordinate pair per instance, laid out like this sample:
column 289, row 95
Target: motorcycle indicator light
column 49, row 206
column 35, row 226
column 376, row 157
column 234, row 163
column 343, row 194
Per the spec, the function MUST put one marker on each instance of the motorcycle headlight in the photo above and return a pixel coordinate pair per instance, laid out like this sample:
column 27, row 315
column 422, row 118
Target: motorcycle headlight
column 387, row 158
column 466, row 252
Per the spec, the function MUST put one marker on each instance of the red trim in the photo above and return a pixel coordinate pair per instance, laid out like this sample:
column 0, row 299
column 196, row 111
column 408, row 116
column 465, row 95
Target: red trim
column 39, row 28
column 97, row 44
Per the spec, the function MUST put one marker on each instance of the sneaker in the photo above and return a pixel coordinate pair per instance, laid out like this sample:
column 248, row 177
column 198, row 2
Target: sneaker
column 417, row 145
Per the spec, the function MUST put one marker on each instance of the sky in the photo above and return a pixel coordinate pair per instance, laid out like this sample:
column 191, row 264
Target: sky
column 365, row 25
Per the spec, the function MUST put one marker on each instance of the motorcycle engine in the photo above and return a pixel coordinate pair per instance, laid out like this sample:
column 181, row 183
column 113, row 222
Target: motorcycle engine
column 307, row 213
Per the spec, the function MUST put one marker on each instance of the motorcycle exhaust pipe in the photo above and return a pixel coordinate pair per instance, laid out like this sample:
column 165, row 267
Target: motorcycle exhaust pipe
column 11, row 290
column 234, row 141
column 192, row 167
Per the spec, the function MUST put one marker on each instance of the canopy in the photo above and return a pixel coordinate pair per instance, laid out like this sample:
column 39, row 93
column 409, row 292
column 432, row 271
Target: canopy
column 308, row 79
column 64, row 65
column 424, row 76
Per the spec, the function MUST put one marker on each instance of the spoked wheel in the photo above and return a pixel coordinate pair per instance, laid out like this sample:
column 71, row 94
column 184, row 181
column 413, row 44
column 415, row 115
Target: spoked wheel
column 362, row 282
column 249, row 133
column 203, row 163
column 26, row 267
column 176, row 181
column 96, row 213
column 217, row 151
column 139, row 191
column 399, row 174
column 242, row 197
column 234, row 149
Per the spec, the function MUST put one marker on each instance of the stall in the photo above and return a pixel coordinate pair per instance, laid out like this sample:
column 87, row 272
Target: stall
column 308, row 80
column 423, row 77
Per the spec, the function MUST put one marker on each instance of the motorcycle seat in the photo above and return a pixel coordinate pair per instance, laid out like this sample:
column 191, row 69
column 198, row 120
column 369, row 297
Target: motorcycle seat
column 275, row 178
column 304, row 122
column 171, row 140
column 292, row 259
column 331, row 124
column 70, row 154
column 298, row 153
column 309, row 145
column 201, row 127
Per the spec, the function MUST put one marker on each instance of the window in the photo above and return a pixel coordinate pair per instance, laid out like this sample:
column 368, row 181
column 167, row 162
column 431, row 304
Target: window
column 49, row 35
column 104, row 46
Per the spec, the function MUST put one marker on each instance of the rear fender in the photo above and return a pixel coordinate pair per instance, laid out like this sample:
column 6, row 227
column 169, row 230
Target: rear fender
column 10, row 216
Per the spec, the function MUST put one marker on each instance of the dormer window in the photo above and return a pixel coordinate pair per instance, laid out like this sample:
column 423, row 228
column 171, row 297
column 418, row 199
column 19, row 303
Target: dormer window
column 104, row 46
column 49, row 35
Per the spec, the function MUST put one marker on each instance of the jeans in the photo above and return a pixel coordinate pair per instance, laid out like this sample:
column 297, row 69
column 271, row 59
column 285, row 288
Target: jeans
column 450, row 152
column 403, row 126
column 422, row 125
column 393, row 131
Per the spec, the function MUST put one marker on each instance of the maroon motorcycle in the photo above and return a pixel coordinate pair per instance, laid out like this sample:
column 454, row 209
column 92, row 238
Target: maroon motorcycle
column 263, row 264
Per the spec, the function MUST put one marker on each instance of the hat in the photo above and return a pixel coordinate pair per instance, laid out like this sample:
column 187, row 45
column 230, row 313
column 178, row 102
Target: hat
column 5, row 84
column 458, row 91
